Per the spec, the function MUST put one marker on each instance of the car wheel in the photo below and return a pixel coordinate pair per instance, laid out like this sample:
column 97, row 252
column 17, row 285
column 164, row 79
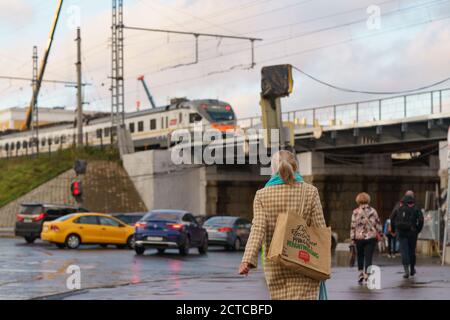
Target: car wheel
column 203, row 249
column 139, row 250
column 237, row 245
column 60, row 245
column 130, row 242
column 184, row 248
column 30, row 240
column 73, row 241
column 161, row 251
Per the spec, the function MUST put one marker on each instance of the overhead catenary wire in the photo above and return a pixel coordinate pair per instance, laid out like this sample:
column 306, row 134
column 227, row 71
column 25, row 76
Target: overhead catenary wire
column 371, row 92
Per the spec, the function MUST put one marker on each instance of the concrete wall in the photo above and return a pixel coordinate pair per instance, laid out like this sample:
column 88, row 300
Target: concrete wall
column 163, row 185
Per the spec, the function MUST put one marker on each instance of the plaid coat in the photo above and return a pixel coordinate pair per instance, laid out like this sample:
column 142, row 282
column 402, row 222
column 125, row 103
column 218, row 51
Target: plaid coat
column 283, row 283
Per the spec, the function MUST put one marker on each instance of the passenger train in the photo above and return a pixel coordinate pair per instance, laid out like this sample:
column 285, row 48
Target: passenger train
column 149, row 128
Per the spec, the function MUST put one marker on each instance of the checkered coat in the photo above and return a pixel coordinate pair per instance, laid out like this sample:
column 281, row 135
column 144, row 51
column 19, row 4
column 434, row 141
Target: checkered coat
column 283, row 284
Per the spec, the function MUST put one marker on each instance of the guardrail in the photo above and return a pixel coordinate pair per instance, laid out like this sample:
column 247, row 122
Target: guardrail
column 392, row 108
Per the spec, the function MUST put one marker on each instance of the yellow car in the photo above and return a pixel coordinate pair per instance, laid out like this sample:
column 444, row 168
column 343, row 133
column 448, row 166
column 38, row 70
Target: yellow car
column 88, row 228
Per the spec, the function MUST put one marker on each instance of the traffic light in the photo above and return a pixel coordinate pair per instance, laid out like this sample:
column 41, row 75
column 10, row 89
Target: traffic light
column 76, row 188
column 276, row 81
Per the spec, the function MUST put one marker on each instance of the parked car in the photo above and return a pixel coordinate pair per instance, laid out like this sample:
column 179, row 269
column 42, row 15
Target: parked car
column 164, row 229
column 228, row 231
column 129, row 218
column 32, row 216
column 87, row 228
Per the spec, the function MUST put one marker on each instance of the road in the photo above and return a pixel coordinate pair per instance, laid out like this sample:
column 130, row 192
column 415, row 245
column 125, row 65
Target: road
column 38, row 271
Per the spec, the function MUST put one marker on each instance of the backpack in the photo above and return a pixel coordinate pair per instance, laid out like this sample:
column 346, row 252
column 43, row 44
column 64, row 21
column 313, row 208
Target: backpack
column 404, row 220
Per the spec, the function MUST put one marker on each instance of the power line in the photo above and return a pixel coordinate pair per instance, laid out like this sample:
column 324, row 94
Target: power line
column 370, row 92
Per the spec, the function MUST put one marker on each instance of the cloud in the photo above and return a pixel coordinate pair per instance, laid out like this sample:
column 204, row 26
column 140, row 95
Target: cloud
column 391, row 61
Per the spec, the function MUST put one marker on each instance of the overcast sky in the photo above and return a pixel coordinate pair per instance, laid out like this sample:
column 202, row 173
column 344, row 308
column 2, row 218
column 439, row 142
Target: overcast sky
column 329, row 39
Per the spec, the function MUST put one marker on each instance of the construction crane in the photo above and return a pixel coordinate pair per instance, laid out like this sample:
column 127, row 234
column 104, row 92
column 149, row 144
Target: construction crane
column 147, row 91
column 37, row 87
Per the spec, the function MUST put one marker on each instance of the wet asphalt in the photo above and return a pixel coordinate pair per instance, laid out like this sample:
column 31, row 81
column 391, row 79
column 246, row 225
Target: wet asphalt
column 38, row 271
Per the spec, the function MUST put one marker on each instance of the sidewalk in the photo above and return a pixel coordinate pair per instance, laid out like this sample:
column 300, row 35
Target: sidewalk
column 432, row 281
column 6, row 232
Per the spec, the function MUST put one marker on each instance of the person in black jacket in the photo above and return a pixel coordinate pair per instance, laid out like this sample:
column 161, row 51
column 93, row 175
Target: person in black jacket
column 407, row 222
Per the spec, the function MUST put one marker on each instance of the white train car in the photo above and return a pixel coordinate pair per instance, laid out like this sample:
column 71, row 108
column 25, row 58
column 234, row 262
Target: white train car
column 149, row 128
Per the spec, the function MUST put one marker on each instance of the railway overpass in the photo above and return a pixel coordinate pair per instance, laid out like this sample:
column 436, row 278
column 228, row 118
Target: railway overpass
column 383, row 146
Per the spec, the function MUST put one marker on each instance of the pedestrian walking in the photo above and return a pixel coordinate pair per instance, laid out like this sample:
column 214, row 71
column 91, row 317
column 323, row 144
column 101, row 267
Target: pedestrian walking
column 365, row 231
column 391, row 239
column 284, row 192
column 407, row 221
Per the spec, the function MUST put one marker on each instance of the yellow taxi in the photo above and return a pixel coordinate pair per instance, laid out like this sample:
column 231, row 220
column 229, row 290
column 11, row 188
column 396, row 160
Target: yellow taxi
column 88, row 228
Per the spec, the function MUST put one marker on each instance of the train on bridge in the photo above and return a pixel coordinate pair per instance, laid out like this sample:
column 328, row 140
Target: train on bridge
column 149, row 128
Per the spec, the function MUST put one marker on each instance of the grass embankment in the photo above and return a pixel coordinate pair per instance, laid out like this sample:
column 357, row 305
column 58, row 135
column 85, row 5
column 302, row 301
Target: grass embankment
column 19, row 176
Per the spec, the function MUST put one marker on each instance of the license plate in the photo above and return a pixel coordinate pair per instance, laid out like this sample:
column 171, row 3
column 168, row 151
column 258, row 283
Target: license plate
column 154, row 238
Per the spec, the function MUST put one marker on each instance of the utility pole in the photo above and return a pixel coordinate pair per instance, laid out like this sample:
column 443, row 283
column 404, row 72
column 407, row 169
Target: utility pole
column 35, row 122
column 117, row 68
column 79, row 92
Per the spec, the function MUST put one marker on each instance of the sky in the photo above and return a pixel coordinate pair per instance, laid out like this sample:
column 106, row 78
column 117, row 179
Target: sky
column 338, row 42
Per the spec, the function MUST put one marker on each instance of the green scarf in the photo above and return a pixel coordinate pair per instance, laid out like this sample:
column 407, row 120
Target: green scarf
column 276, row 180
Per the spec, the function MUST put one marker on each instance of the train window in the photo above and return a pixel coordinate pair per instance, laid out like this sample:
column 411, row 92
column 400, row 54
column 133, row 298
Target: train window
column 18, row 145
column 12, row 146
column 56, row 140
column 50, row 141
column 141, row 126
column 180, row 118
column 152, row 124
column 113, row 131
column 132, row 127
column 7, row 146
column 24, row 144
column 195, row 117
column 107, row 130
column 99, row 133
column 167, row 122
column 162, row 123
column 43, row 141
column 63, row 139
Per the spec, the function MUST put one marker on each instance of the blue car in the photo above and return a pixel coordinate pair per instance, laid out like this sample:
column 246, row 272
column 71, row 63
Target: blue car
column 170, row 229
column 230, row 232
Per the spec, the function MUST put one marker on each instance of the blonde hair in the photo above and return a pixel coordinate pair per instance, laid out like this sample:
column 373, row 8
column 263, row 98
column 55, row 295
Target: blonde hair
column 362, row 198
column 285, row 164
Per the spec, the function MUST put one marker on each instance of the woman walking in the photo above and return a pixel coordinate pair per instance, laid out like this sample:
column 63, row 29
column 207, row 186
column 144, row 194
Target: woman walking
column 365, row 231
column 284, row 192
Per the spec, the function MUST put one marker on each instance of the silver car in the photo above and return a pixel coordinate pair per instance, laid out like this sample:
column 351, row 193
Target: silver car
column 230, row 232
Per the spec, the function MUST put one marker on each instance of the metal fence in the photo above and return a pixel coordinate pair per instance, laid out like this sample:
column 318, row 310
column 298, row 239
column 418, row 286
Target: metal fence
column 393, row 108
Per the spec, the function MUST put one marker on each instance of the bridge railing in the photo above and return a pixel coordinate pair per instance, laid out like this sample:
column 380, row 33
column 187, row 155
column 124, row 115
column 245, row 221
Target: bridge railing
column 392, row 108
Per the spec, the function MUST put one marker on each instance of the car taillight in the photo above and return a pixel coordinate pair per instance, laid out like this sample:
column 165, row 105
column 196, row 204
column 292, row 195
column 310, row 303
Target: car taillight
column 175, row 226
column 20, row 217
column 227, row 229
column 140, row 225
column 39, row 217
column 54, row 228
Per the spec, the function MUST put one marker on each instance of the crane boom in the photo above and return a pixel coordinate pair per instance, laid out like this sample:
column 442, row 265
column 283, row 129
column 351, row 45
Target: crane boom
column 36, row 89
column 147, row 91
